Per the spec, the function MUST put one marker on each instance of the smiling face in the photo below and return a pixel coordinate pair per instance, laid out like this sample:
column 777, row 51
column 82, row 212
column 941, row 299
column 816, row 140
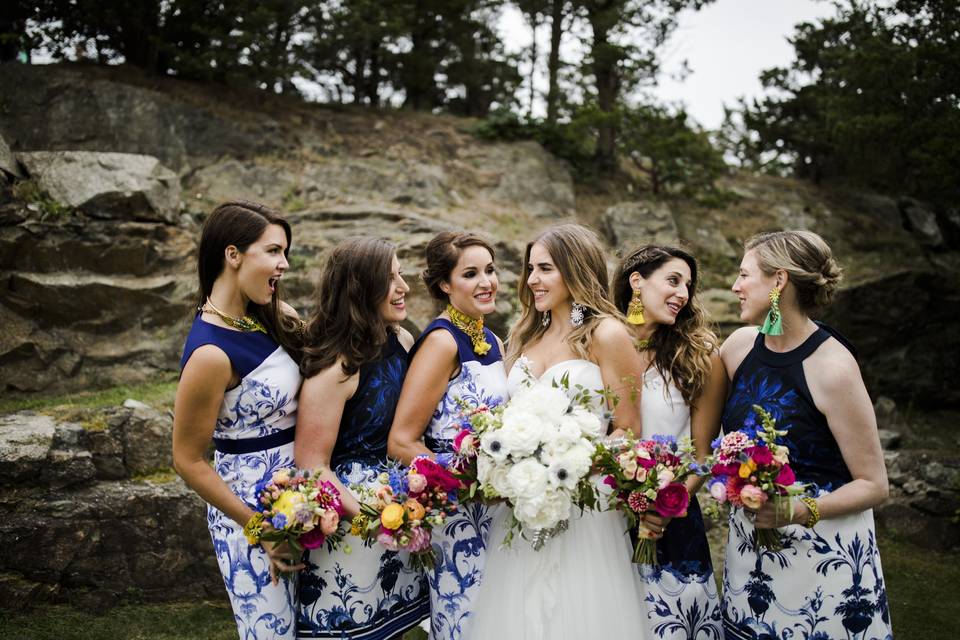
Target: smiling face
column 393, row 308
column 665, row 292
column 262, row 265
column 545, row 282
column 753, row 287
column 472, row 287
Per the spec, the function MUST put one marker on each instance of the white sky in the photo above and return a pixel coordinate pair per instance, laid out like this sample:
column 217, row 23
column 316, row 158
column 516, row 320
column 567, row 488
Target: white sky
column 727, row 44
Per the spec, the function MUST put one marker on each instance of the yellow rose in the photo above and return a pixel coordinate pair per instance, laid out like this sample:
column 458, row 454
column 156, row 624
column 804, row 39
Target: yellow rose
column 414, row 509
column 747, row 468
column 392, row 516
column 288, row 504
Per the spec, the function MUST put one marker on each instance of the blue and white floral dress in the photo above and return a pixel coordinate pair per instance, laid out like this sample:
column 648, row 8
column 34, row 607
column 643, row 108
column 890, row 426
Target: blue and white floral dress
column 827, row 581
column 681, row 600
column 460, row 546
column 253, row 439
column 370, row 593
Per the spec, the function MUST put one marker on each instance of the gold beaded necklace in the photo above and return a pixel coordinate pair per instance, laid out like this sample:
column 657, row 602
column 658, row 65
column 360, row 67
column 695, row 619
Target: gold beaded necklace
column 246, row 323
column 470, row 326
column 642, row 344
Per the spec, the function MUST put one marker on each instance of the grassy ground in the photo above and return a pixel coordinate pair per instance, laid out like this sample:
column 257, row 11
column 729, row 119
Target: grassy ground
column 158, row 393
column 924, row 591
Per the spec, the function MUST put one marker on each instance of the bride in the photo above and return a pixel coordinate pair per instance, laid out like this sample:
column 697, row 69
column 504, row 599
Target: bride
column 582, row 583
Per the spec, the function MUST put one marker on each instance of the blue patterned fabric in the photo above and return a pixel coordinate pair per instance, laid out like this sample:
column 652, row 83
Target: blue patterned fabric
column 263, row 403
column 827, row 581
column 460, row 544
column 681, row 592
column 370, row 593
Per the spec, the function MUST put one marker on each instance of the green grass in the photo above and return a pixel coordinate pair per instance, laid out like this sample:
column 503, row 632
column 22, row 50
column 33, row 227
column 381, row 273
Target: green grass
column 922, row 587
column 157, row 393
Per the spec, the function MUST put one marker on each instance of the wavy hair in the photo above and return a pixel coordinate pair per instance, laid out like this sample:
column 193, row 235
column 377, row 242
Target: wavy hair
column 241, row 223
column 346, row 319
column 578, row 255
column 682, row 350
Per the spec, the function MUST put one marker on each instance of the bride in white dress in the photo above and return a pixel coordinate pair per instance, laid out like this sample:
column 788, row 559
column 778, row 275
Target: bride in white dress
column 581, row 583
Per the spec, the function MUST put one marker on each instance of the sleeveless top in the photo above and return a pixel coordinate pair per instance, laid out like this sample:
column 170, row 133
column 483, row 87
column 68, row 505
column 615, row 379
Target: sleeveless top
column 776, row 382
column 662, row 408
column 261, row 410
column 368, row 414
column 481, row 380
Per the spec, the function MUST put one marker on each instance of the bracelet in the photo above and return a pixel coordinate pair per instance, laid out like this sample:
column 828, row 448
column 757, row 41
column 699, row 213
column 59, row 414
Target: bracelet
column 254, row 528
column 811, row 504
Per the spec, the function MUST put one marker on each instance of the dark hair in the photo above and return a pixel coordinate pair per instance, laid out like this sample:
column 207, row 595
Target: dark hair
column 442, row 255
column 681, row 350
column 241, row 223
column 346, row 320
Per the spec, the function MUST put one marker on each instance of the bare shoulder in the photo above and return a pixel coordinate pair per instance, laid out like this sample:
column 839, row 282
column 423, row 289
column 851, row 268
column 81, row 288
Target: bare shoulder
column 610, row 332
column 835, row 366
column 439, row 343
column 208, row 359
column 736, row 346
column 405, row 338
column 288, row 310
column 332, row 380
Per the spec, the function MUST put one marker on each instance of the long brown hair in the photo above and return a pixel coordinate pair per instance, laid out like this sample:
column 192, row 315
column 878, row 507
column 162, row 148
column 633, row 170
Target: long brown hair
column 578, row 255
column 241, row 223
column 681, row 350
column 346, row 319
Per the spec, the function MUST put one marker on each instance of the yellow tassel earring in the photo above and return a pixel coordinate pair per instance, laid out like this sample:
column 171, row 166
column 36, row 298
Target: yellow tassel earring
column 635, row 310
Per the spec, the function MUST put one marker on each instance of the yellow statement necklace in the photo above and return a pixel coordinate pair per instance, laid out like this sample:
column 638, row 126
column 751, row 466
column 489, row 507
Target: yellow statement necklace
column 473, row 328
column 642, row 344
column 246, row 323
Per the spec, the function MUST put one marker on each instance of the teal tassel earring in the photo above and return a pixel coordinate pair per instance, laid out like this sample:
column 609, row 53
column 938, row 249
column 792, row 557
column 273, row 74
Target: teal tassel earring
column 773, row 324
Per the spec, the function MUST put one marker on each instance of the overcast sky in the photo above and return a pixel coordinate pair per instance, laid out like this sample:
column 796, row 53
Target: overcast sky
column 726, row 45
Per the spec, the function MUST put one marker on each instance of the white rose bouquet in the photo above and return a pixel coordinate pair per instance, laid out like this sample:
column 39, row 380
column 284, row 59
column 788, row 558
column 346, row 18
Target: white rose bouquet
column 536, row 451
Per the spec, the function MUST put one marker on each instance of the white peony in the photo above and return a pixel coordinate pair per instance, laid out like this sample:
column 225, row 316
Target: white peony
column 567, row 430
column 526, row 479
column 549, row 402
column 588, row 422
column 546, row 512
column 523, row 434
column 579, row 458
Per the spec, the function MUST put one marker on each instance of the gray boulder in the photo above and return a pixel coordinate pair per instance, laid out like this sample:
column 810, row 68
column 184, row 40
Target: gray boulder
column 631, row 224
column 922, row 222
column 8, row 163
column 107, row 185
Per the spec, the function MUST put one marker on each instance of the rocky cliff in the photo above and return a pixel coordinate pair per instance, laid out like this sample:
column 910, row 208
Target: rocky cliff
column 105, row 177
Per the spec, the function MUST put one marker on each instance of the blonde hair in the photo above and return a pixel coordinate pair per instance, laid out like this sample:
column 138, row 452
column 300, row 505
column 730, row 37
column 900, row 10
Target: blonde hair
column 806, row 258
column 681, row 350
column 578, row 255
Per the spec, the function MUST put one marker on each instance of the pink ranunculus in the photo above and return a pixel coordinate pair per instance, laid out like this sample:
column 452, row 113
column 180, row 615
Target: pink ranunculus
column 664, row 477
column 419, row 539
column 718, row 491
column 329, row 520
column 386, row 539
column 417, row 482
column 752, row 496
column 464, row 443
column 312, row 539
column 760, row 454
column 672, row 500
column 786, row 476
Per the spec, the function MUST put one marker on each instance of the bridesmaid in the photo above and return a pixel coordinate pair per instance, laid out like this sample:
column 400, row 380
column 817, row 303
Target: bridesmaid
column 455, row 359
column 355, row 358
column 238, row 386
column 826, row 582
column 684, row 385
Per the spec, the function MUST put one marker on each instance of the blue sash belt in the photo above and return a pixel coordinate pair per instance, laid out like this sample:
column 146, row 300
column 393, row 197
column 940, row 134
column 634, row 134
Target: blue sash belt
column 249, row 445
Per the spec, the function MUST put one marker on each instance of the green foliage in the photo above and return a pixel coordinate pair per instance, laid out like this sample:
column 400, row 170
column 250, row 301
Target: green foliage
column 38, row 200
column 870, row 99
column 158, row 393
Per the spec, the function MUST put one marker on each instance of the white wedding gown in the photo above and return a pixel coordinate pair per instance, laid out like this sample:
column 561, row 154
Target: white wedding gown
column 581, row 584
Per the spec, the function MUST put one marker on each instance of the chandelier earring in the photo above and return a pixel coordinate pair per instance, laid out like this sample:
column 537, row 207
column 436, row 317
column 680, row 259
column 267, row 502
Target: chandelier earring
column 577, row 314
column 545, row 319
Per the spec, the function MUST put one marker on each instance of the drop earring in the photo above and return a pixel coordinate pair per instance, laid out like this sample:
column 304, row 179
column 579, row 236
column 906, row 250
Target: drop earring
column 577, row 314
column 635, row 309
column 773, row 323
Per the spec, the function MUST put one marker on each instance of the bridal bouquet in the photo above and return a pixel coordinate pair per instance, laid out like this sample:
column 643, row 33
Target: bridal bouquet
column 297, row 507
column 648, row 476
column 748, row 468
column 536, row 452
column 401, row 512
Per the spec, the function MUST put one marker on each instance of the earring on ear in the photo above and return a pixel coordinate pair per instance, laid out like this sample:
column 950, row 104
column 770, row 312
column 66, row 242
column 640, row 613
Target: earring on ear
column 635, row 309
column 545, row 320
column 577, row 314
column 773, row 323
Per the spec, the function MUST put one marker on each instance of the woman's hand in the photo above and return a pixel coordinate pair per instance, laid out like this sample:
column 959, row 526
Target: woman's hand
column 655, row 524
column 777, row 513
column 281, row 559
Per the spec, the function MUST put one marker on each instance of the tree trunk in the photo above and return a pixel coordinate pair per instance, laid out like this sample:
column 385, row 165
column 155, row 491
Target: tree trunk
column 553, row 64
column 534, row 18
column 603, row 17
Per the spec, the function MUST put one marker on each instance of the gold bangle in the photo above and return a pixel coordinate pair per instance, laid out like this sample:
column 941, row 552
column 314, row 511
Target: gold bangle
column 254, row 528
column 814, row 510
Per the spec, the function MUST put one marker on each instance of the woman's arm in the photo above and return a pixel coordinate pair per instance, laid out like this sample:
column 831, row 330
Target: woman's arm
column 612, row 346
column 424, row 385
column 838, row 391
column 322, row 398
column 705, row 415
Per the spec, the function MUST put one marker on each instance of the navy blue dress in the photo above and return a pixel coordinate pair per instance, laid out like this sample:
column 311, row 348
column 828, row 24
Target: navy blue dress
column 827, row 581
column 370, row 593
